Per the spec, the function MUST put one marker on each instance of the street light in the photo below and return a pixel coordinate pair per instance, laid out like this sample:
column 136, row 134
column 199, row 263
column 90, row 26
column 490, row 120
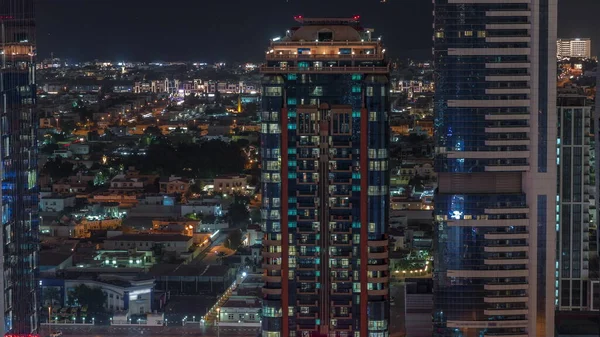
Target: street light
column 49, row 316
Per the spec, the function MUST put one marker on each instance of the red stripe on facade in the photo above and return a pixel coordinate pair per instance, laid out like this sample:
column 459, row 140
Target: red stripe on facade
column 285, row 251
column 364, row 219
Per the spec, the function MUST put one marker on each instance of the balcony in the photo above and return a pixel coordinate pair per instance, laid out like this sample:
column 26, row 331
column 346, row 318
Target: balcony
column 307, row 230
column 341, row 230
column 303, row 327
column 507, row 168
column 341, row 316
column 306, row 267
column 378, row 267
column 342, row 193
column 307, row 291
column 341, row 169
column 306, row 169
column 505, row 312
column 340, row 206
column 271, row 291
column 267, row 242
column 504, row 299
column 381, row 255
column 378, row 243
column 505, row 261
column 306, row 182
column 306, row 303
column 384, row 279
column 301, row 278
column 340, row 218
column 309, row 255
column 340, row 327
column 505, row 286
column 270, row 254
column 326, row 70
column 306, row 316
column 306, row 143
column 347, row 181
column 271, row 266
column 505, row 236
column 340, row 243
column 340, row 156
column 341, row 303
column 273, row 279
column 508, row 210
column 307, row 205
column 308, row 156
column 378, row 292
column 338, row 279
column 341, row 291
column 307, row 193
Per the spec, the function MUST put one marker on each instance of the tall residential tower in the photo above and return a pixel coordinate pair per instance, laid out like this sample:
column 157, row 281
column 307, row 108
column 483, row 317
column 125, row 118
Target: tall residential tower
column 18, row 166
column 576, row 214
column 324, row 142
column 495, row 119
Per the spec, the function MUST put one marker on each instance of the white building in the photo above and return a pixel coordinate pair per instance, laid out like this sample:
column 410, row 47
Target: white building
column 56, row 203
column 176, row 243
column 240, row 311
column 132, row 296
column 574, row 48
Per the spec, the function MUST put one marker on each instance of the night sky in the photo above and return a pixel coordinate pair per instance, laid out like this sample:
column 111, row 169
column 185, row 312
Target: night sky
column 236, row 30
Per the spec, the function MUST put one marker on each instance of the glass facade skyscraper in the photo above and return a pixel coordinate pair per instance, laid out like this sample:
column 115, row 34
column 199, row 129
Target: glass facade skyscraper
column 495, row 121
column 574, row 218
column 20, row 221
column 324, row 143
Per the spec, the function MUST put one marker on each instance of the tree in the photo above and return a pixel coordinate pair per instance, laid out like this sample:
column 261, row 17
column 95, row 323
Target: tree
column 82, row 295
column 234, row 240
column 57, row 168
column 255, row 215
column 238, row 214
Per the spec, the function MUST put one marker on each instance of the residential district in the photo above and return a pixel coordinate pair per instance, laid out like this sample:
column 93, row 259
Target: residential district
column 151, row 203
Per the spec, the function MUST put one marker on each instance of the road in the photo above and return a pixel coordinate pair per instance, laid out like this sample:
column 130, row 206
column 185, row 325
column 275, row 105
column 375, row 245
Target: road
column 140, row 331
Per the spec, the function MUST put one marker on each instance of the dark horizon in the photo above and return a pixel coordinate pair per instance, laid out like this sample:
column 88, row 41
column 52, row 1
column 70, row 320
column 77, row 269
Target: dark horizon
column 235, row 31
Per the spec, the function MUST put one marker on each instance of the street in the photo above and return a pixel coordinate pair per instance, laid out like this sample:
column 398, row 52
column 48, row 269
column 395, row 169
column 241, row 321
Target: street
column 135, row 330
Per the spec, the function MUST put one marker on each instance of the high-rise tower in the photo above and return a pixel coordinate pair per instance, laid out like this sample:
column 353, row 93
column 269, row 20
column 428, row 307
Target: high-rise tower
column 574, row 216
column 19, row 235
column 324, row 144
column 495, row 119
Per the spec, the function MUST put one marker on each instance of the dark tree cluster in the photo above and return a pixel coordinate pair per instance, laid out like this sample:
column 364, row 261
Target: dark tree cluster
column 205, row 160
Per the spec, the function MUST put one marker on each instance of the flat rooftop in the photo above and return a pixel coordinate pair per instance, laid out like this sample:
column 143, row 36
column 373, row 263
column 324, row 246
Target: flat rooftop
column 150, row 237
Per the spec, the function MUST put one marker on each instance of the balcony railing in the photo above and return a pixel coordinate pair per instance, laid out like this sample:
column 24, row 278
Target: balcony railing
column 283, row 57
